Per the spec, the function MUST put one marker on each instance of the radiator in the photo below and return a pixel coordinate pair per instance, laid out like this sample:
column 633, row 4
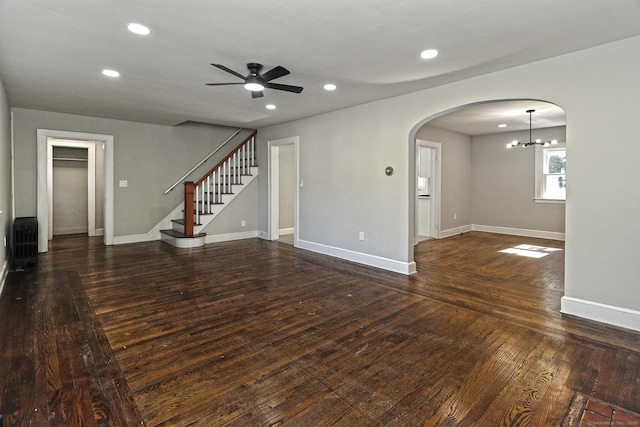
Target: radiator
column 25, row 243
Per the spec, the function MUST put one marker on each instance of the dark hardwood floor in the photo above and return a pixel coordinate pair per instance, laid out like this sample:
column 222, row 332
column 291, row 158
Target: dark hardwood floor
column 258, row 333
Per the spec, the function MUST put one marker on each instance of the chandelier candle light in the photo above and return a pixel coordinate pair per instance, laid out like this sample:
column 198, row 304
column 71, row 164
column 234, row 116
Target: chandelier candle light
column 538, row 141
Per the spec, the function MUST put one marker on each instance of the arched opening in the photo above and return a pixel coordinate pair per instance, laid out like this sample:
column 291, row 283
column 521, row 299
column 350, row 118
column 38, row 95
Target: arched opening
column 483, row 185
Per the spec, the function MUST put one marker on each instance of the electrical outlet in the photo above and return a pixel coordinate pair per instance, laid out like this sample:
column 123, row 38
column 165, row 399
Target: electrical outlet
column 123, row 183
column 455, row 217
column 361, row 235
column 243, row 223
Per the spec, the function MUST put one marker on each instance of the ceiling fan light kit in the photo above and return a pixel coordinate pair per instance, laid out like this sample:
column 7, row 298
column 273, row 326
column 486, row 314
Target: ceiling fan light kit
column 516, row 143
column 256, row 82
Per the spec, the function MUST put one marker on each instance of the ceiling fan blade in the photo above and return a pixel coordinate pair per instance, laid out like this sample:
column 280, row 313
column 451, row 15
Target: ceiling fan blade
column 228, row 70
column 257, row 94
column 223, row 84
column 275, row 73
column 287, row 88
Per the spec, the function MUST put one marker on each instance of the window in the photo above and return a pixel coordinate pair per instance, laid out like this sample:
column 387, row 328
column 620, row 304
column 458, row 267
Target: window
column 551, row 174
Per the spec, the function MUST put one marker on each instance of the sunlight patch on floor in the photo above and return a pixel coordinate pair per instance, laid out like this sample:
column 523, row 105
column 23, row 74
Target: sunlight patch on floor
column 530, row 251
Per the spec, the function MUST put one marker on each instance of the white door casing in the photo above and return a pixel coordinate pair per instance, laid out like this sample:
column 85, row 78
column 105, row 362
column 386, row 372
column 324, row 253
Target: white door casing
column 273, row 187
column 45, row 173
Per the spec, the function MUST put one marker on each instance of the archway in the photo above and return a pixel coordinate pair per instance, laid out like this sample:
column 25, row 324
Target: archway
column 485, row 186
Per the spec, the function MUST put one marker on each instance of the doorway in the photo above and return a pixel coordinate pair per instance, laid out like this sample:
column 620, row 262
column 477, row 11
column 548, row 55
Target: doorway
column 99, row 149
column 283, row 191
column 73, row 191
column 428, row 190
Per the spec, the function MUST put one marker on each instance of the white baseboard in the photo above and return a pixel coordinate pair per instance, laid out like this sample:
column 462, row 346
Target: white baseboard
column 4, row 272
column 612, row 315
column 99, row 231
column 360, row 258
column 231, row 236
column 136, row 238
column 454, row 231
column 263, row 235
column 285, row 231
column 69, row 230
column 540, row 234
column 551, row 235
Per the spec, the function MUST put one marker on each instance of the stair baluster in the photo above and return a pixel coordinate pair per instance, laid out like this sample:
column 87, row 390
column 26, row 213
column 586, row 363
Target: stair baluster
column 198, row 198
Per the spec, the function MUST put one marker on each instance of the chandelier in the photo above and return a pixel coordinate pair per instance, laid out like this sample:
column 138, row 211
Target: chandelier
column 516, row 143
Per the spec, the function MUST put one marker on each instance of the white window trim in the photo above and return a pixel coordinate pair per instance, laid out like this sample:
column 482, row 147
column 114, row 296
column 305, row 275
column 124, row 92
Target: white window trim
column 539, row 176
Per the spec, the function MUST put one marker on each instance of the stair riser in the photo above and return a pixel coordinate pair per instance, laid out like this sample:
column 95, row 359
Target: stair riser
column 184, row 242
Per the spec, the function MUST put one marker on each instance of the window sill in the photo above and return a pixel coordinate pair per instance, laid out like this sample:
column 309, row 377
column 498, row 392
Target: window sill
column 550, row 201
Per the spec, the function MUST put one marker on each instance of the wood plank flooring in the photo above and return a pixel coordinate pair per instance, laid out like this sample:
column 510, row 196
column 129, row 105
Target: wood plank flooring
column 258, row 333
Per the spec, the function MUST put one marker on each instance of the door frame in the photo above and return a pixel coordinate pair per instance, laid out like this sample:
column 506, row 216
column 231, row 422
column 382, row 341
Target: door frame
column 273, row 194
column 45, row 172
column 91, row 181
column 436, row 194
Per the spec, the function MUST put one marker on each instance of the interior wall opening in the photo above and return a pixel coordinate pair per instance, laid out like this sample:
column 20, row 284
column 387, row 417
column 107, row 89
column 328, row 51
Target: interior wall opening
column 283, row 190
column 70, row 192
column 486, row 186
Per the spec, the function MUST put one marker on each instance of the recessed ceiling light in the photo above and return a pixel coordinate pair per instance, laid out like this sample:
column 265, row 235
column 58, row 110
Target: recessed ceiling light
column 329, row 86
column 139, row 29
column 428, row 54
column 111, row 73
column 502, row 125
column 270, row 107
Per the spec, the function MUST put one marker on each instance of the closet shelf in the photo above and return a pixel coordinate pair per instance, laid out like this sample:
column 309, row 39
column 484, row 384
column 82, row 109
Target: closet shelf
column 72, row 159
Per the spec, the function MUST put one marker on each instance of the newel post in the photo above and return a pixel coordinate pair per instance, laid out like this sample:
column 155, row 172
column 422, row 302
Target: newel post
column 189, row 189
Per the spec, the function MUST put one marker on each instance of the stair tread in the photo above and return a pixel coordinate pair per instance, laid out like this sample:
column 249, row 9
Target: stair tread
column 179, row 234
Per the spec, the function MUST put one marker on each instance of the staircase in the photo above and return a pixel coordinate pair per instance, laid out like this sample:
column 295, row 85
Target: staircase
column 206, row 198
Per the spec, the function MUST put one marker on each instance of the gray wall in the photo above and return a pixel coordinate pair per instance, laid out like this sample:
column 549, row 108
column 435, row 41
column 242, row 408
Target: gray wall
column 343, row 194
column 243, row 207
column 150, row 157
column 343, row 156
column 456, row 175
column 6, row 219
column 503, row 183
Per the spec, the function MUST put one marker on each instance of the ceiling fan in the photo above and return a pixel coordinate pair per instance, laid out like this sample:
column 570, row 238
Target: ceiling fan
column 256, row 82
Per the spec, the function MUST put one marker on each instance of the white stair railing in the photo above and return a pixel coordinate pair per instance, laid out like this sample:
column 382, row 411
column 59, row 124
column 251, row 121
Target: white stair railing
column 201, row 196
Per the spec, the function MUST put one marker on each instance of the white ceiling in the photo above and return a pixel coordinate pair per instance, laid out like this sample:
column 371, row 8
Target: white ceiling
column 52, row 52
column 483, row 119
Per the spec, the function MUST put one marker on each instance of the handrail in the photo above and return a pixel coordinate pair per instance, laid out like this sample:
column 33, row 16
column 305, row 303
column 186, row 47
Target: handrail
column 175, row 184
column 201, row 180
